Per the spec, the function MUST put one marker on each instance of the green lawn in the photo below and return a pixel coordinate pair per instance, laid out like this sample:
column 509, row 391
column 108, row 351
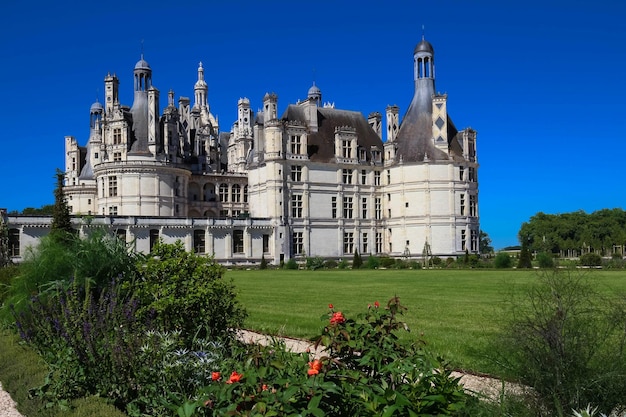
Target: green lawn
column 457, row 311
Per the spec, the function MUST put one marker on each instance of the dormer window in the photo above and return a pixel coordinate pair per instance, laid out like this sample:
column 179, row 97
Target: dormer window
column 346, row 148
column 295, row 144
column 362, row 154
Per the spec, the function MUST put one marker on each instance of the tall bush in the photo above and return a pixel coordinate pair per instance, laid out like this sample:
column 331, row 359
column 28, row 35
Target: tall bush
column 503, row 260
column 568, row 343
column 187, row 292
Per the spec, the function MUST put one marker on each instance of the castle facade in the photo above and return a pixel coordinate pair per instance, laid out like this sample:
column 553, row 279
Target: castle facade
column 313, row 180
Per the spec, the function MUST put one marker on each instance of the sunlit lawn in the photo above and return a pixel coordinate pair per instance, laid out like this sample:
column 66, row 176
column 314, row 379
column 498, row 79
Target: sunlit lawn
column 457, row 312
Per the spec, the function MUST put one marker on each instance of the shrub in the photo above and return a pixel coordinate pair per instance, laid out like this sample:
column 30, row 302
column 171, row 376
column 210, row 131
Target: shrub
column 330, row 264
column 357, row 262
column 436, row 261
column 291, row 264
column 567, row 343
column 263, row 264
column 363, row 371
column 183, row 291
column 343, row 264
column 591, row 259
column 372, row 262
column 315, row 263
column 503, row 260
column 545, row 260
column 387, row 262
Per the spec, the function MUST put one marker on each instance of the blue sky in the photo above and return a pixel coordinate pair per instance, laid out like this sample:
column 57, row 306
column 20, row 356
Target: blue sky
column 542, row 82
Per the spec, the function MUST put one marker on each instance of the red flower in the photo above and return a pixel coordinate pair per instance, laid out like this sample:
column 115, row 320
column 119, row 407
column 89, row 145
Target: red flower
column 234, row 377
column 376, row 304
column 337, row 318
column 330, row 306
column 264, row 387
column 215, row 376
column 314, row 367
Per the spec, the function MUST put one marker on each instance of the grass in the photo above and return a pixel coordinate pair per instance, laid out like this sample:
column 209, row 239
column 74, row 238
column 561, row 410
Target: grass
column 457, row 312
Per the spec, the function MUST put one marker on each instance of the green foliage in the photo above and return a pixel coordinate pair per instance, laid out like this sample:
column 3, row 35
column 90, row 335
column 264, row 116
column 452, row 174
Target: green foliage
column 357, row 262
column 503, row 260
column 525, row 258
column 343, row 264
column 330, row 264
column 387, row 262
column 553, row 233
column 263, row 264
column 591, row 259
column 567, row 342
column 436, row 261
column 46, row 210
column 372, row 262
column 545, row 260
column 61, row 228
column 314, row 263
column 291, row 264
column 183, row 291
column 55, row 263
column 484, row 243
column 363, row 371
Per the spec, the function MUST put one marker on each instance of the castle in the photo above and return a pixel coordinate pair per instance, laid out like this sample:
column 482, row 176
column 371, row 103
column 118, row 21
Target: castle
column 312, row 181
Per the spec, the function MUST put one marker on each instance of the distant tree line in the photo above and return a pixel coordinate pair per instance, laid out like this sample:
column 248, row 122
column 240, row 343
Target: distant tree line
column 603, row 231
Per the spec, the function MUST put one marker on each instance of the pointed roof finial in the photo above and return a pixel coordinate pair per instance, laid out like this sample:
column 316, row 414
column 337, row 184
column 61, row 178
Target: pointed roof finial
column 422, row 32
column 142, row 49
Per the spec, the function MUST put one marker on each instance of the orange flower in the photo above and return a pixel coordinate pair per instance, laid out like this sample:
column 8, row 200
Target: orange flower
column 215, row 376
column 314, row 367
column 234, row 377
column 337, row 318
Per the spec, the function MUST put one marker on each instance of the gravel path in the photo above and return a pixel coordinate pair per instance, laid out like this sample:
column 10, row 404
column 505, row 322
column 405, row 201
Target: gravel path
column 490, row 388
column 7, row 405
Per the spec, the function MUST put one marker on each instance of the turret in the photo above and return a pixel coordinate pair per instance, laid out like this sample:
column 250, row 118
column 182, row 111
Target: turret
column 139, row 110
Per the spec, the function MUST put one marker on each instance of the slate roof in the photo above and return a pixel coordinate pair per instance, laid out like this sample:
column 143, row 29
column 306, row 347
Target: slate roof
column 321, row 144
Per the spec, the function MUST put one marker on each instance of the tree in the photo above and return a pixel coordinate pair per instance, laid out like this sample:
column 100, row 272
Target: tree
column 484, row 243
column 61, row 219
column 5, row 259
column 357, row 262
column 525, row 258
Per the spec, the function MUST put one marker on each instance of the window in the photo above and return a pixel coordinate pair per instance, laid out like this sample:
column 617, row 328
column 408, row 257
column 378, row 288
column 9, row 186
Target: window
column 346, row 148
column 223, row 193
column 473, row 241
column 461, row 173
column 472, row 174
column 236, row 193
column 333, row 205
column 14, row 242
column 364, row 243
column 121, row 235
column 113, row 211
column 298, row 243
column 348, row 242
column 362, row 154
column 224, row 213
column 376, row 156
column 154, row 238
column 364, row 208
column 199, row 241
column 379, row 242
column 296, row 173
column 472, row 203
column 236, row 213
column 347, row 207
column 245, row 194
column 95, row 155
column 363, row 177
column 378, row 208
column 73, row 164
column 347, row 176
column 237, row 241
column 376, row 177
column 117, row 156
column 112, row 186
column 296, row 205
column 117, row 136
column 388, row 176
column 462, row 205
column 296, row 144
column 463, row 244
column 266, row 243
